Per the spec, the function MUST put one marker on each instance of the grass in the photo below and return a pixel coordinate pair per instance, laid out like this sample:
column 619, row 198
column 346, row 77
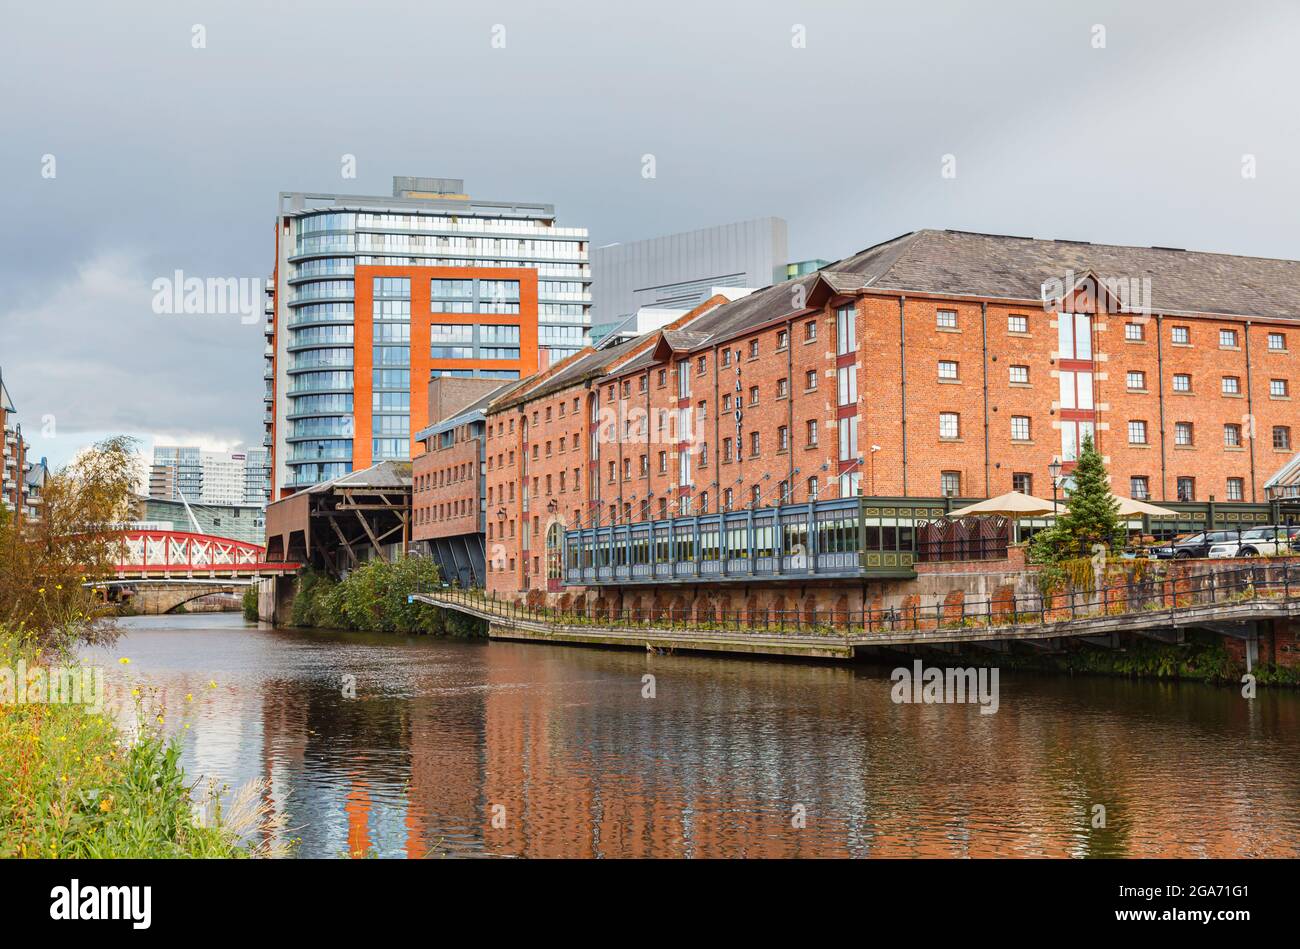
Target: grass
column 73, row 785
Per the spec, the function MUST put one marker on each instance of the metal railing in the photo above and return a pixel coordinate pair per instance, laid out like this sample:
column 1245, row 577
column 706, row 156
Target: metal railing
column 1164, row 599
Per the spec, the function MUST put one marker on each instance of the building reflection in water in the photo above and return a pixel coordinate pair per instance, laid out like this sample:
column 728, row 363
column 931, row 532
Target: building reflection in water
column 559, row 746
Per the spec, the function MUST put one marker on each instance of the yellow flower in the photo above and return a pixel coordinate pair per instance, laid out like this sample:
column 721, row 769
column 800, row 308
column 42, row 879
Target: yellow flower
column 124, row 661
column 212, row 683
column 106, row 805
column 41, row 591
column 160, row 719
column 189, row 696
column 58, row 586
column 135, row 692
column 187, row 726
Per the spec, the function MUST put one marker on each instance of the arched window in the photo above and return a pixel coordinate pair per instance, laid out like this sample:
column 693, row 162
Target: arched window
column 554, row 551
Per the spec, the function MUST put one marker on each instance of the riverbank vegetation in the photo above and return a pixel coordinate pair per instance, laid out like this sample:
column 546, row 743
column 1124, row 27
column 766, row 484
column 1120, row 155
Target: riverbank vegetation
column 1193, row 661
column 72, row 783
column 375, row 597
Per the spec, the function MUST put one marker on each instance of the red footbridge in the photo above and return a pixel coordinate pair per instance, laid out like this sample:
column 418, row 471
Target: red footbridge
column 178, row 555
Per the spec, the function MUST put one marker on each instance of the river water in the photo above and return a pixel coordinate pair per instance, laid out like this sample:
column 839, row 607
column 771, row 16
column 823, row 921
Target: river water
column 549, row 751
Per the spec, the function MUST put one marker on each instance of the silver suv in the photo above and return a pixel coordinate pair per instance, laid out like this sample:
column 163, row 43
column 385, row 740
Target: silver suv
column 1258, row 542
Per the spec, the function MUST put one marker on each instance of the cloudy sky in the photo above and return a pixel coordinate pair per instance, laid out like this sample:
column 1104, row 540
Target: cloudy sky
column 169, row 157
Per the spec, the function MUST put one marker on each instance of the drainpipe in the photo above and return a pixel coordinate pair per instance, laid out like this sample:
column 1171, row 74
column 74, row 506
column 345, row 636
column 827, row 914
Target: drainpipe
column 1250, row 410
column 717, row 426
column 1160, row 380
column 789, row 406
column 902, row 383
column 984, row 342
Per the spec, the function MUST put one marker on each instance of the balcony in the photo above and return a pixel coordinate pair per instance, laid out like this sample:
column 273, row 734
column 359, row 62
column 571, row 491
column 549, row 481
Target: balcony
column 837, row 539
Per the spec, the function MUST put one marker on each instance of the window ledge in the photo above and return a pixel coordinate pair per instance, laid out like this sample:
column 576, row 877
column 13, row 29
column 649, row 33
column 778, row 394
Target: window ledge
column 949, row 382
column 947, row 329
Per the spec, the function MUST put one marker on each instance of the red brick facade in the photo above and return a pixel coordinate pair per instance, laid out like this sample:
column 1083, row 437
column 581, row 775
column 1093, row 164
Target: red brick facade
column 949, row 394
column 445, row 496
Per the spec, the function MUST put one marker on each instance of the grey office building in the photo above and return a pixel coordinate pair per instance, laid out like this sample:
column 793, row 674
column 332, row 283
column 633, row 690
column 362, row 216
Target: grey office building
column 678, row 271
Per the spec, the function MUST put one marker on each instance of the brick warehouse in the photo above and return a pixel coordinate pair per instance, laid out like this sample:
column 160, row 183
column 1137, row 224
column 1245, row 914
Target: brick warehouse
column 778, row 449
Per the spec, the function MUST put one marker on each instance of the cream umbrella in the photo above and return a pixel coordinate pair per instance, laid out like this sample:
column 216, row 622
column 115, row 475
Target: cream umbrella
column 1131, row 508
column 1011, row 504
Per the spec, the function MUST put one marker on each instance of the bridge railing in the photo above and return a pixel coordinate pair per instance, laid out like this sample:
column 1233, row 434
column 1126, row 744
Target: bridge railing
column 1271, row 579
column 147, row 551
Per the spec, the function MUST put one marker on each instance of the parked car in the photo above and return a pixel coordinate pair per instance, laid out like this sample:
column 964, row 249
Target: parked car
column 1258, row 542
column 1193, row 545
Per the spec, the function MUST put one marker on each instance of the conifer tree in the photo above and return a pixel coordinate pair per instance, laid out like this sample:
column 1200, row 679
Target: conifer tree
column 1092, row 513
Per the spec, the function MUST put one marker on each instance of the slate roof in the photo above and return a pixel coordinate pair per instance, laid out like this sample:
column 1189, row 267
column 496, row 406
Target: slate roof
column 582, row 365
column 993, row 265
column 963, row 263
column 392, row 475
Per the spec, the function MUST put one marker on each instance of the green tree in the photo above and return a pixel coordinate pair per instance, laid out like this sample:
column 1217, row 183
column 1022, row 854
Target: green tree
column 1091, row 515
column 47, row 565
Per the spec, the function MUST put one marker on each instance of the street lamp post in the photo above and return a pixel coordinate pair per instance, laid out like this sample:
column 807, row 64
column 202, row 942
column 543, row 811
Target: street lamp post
column 1054, row 469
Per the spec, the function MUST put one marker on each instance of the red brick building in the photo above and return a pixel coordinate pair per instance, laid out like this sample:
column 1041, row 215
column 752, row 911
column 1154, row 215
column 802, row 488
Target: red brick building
column 447, row 502
column 781, row 447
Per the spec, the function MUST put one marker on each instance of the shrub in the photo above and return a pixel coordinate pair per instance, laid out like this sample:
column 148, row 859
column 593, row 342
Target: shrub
column 375, row 596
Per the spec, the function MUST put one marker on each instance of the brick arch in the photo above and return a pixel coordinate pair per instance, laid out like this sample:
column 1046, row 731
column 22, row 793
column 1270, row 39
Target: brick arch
column 705, row 609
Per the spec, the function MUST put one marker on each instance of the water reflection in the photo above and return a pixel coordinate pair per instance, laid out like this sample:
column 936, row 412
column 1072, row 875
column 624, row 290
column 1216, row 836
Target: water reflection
column 560, row 746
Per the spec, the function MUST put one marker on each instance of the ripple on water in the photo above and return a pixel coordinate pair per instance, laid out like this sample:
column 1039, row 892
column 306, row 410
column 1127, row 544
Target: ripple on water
column 522, row 749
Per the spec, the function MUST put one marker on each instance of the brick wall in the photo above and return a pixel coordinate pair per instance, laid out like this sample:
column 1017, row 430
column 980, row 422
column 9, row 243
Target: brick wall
column 1005, row 389
column 445, row 496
